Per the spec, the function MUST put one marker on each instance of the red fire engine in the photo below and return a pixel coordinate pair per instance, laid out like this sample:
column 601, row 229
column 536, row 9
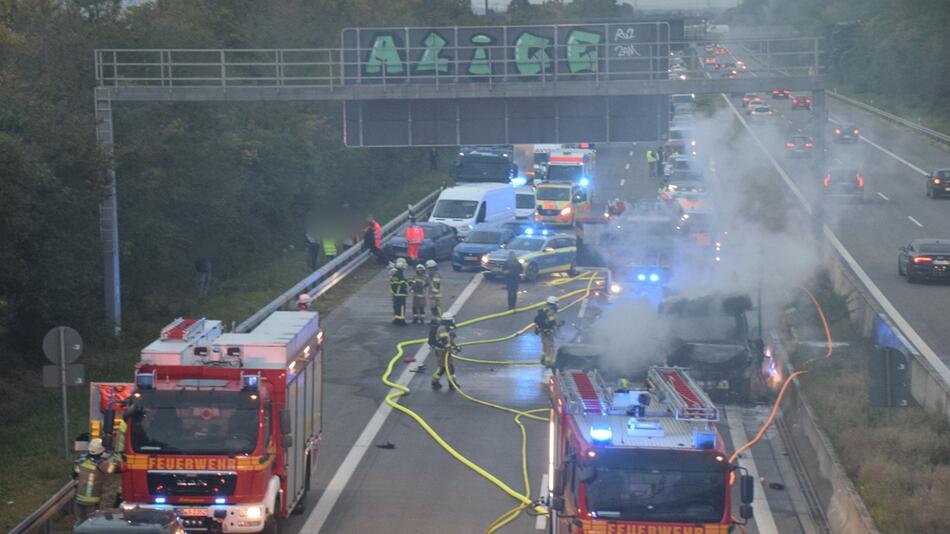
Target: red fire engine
column 631, row 460
column 223, row 428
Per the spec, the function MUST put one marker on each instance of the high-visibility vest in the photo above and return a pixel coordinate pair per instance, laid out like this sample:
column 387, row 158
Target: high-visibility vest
column 435, row 285
column 651, row 157
column 91, row 473
column 329, row 247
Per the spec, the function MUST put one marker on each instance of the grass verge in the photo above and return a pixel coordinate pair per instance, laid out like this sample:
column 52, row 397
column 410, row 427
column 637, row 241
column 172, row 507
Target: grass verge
column 34, row 461
column 898, row 458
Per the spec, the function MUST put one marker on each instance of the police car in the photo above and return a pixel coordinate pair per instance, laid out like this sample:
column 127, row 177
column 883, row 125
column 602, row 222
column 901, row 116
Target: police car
column 539, row 253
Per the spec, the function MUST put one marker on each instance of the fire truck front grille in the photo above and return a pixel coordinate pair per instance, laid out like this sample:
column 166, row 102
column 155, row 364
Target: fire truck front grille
column 192, row 484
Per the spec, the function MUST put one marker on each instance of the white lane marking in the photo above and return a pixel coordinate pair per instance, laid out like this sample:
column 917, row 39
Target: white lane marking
column 882, row 195
column 886, row 151
column 915, row 221
column 583, row 310
column 344, row 472
column 623, row 182
column 541, row 522
column 631, row 153
column 939, row 367
column 626, row 167
column 764, row 522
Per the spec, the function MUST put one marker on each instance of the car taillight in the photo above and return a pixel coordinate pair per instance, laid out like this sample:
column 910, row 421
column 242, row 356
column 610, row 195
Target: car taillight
column 790, row 145
column 860, row 181
column 746, row 99
column 794, row 101
column 827, row 179
column 923, row 259
column 809, row 145
column 770, row 112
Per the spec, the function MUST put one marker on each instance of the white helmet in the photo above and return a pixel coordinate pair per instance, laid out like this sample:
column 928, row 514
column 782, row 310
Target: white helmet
column 401, row 263
column 431, row 264
column 448, row 316
column 393, row 271
column 420, row 268
column 96, row 447
column 551, row 300
column 304, row 298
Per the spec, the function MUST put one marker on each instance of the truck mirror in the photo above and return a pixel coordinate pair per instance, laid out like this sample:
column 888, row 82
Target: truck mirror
column 745, row 511
column 286, row 441
column 587, row 474
column 746, row 489
column 285, row 422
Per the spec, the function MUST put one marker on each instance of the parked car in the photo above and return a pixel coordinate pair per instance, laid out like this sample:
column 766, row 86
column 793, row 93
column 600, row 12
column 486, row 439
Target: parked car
column 135, row 521
column 482, row 240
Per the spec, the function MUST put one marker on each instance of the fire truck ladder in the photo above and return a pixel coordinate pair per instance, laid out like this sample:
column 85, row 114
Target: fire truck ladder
column 689, row 401
column 586, row 392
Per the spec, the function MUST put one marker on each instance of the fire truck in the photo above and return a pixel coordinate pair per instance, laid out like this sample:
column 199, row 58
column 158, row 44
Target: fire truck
column 638, row 460
column 222, row 428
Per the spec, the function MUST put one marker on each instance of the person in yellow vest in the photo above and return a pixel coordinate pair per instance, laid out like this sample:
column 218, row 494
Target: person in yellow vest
column 652, row 162
column 91, row 471
column 330, row 250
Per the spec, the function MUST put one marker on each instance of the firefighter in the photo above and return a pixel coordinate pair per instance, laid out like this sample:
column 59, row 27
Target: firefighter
column 545, row 325
column 91, row 471
column 399, row 287
column 443, row 343
column 435, row 288
column 418, row 287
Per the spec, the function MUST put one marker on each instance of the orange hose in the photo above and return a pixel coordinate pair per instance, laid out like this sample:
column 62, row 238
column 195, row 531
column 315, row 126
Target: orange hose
column 788, row 380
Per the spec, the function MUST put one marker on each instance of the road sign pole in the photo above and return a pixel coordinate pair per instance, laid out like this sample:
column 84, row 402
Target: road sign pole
column 62, row 379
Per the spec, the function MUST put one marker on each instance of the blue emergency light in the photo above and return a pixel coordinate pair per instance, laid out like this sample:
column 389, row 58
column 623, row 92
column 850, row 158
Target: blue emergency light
column 544, row 231
column 654, row 277
column 642, row 277
column 601, row 434
column 529, row 231
column 145, row 380
column 219, row 500
column 584, row 181
column 159, row 500
column 704, row 439
column 250, row 382
column 519, row 181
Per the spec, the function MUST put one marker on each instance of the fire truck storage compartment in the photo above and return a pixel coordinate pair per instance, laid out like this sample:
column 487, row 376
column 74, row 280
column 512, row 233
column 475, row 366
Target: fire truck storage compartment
column 174, row 347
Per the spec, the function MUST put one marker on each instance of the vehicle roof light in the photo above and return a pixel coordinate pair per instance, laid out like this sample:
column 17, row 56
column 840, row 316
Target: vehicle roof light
column 219, row 500
column 585, row 181
column 159, row 500
column 529, row 231
column 654, row 277
column 704, row 439
column 544, row 231
column 601, row 434
column 145, row 380
column 250, row 382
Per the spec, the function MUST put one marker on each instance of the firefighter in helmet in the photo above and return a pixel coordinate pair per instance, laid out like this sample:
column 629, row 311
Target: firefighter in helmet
column 418, row 287
column 91, row 473
column 443, row 343
column 545, row 325
column 435, row 288
column 399, row 287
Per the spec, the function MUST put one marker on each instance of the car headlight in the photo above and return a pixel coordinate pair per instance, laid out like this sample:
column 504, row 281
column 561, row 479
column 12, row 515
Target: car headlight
column 615, row 288
column 485, row 258
column 252, row 512
column 521, row 261
column 566, row 211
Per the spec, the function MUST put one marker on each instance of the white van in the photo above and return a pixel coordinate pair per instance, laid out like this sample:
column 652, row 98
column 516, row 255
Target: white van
column 464, row 206
column 525, row 202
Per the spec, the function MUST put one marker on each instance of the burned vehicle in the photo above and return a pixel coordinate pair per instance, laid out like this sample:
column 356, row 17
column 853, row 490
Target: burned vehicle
column 714, row 337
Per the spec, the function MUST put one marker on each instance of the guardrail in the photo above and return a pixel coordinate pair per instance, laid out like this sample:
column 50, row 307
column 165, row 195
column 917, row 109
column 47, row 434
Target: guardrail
column 41, row 520
column 934, row 134
column 315, row 284
column 324, row 278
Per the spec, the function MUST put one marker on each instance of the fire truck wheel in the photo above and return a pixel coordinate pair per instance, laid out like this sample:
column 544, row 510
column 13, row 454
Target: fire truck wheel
column 272, row 525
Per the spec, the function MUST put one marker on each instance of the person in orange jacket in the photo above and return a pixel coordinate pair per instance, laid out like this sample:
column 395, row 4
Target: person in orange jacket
column 373, row 239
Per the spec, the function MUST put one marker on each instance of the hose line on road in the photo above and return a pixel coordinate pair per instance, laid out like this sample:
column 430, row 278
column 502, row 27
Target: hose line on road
column 778, row 399
column 392, row 399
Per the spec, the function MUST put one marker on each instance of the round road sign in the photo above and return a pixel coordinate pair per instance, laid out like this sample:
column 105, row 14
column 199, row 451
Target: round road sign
column 71, row 344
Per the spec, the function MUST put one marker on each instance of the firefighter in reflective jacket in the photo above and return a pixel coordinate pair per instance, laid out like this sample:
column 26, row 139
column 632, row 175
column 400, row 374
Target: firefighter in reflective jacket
column 418, row 288
column 91, row 471
column 443, row 343
column 435, row 288
column 399, row 287
column 545, row 325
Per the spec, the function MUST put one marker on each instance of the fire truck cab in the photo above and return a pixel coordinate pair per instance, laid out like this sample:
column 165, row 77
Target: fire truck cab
column 632, row 460
column 222, row 428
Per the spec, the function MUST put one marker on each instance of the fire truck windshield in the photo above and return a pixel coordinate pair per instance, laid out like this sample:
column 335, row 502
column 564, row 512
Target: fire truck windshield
column 673, row 495
column 195, row 422
column 553, row 193
column 565, row 173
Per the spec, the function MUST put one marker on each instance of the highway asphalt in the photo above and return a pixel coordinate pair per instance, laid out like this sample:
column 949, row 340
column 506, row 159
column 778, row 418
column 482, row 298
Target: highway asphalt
column 414, row 485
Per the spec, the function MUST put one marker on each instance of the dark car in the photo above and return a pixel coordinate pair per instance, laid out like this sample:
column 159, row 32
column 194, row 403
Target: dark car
column 522, row 227
column 847, row 133
column 938, row 183
column 481, row 241
column 781, row 93
column 439, row 240
column 751, row 99
column 140, row 521
column 924, row 258
column 801, row 102
column 843, row 183
column 800, row 145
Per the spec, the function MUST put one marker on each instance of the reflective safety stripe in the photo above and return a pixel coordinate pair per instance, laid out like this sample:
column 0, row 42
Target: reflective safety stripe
column 329, row 247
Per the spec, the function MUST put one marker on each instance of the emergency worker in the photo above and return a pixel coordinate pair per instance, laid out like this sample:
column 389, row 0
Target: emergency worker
column 652, row 162
column 443, row 343
column 303, row 302
column 373, row 238
column 399, row 287
column 435, row 288
column 545, row 325
column 418, row 287
column 415, row 236
column 90, row 472
column 330, row 250
column 513, row 272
